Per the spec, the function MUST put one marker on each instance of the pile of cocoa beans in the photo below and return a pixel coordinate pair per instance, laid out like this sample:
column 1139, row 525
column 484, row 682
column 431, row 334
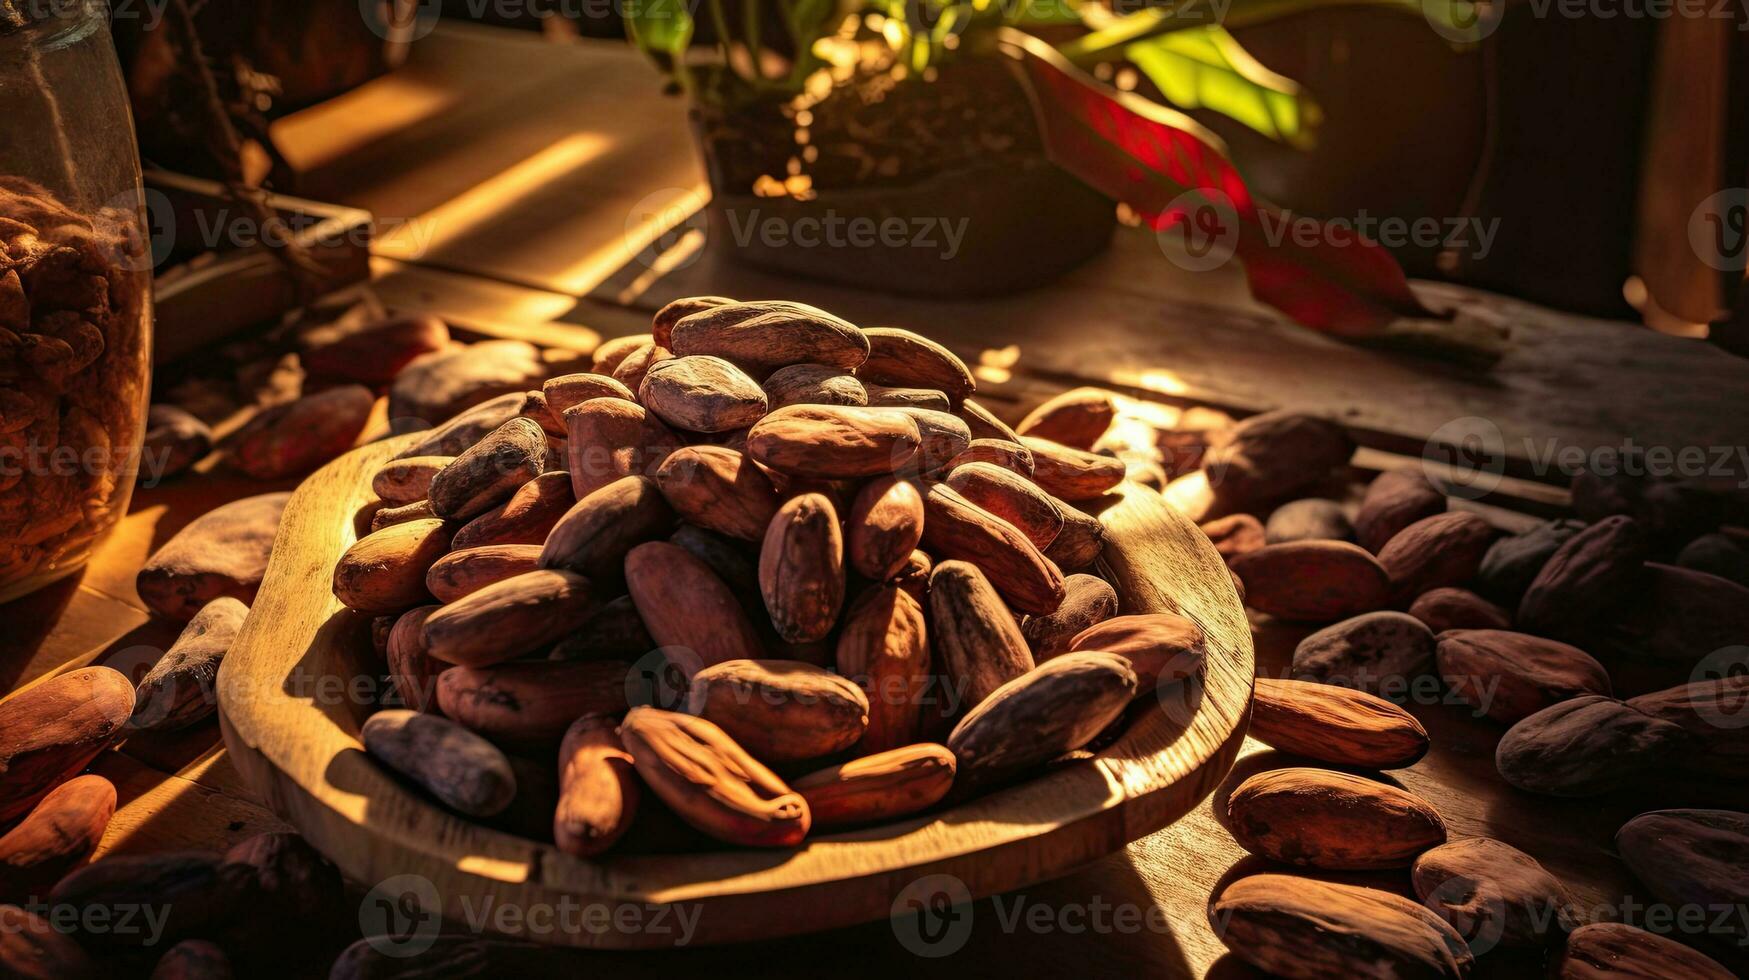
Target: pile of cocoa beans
column 757, row 574
column 1409, row 596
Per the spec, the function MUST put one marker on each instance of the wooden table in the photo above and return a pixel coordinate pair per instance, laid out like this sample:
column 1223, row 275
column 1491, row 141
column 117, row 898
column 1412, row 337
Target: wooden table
column 519, row 186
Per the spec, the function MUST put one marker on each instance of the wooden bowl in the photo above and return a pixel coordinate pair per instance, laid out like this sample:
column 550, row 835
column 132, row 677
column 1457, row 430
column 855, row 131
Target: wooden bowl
column 291, row 726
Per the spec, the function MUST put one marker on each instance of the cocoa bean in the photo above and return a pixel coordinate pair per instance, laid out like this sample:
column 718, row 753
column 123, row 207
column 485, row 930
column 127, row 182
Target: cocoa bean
column 596, row 534
column 1075, row 418
column 1681, row 615
column 453, row 436
column 179, row 689
column 1585, row 578
column 712, row 783
column 780, row 710
column 813, row 384
column 1458, row 609
column 195, row 893
column 1274, row 456
column 1434, row 552
column 567, row 391
column 1394, row 500
column 900, row 357
column 1716, row 554
column 973, row 633
column 881, row 396
column 719, row 489
column 702, row 394
column 1071, row 474
column 1616, row 951
column 1510, row 676
column 412, row 671
column 884, row 648
column 526, row 518
column 1337, row 725
column 1309, row 519
column 1691, row 859
column 1161, row 648
column 1011, row 456
column 834, row 442
column 402, row 481
column 942, row 437
column 52, row 730
column 613, row 352
column 374, row 353
column 611, row 438
column 174, row 441
column 1312, row 581
column 510, row 618
column 884, row 526
column 614, row 632
column 878, row 787
column 1011, row 497
column 687, row 608
column 1235, row 535
column 1715, row 713
column 59, row 833
column 220, row 553
column 984, row 423
column 1316, row 930
column 1058, row 707
column 662, row 324
column 955, row 528
column 488, row 472
column 469, row 570
column 33, row 949
column 636, row 366
column 384, row 571
column 1379, row 653
column 1586, row 746
column 761, row 337
column 294, row 438
column 1490, row 891
column 531, row 703
column 462, row 770
column 1087, row 601
column 1079, row 544
column 801, row 569
column 1324, row 819
column 1513, row 562
column 443, row 383
column 598, row 788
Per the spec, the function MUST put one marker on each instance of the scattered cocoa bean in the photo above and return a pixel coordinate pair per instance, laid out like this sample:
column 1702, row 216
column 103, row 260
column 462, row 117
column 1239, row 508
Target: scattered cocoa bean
column 1394, row 500
column 1312, row 581
column 220, row 553
column 179, row 690
column 1510, row 676
column 1378, row 652
column 1337, row 725
column 1325, row 819
column 1586, row 746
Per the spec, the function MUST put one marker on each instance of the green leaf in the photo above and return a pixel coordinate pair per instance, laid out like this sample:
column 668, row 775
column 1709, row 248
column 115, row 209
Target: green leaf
column 1206, row 68
column 1042, row 13
column 1108, row 40
column 660, row 28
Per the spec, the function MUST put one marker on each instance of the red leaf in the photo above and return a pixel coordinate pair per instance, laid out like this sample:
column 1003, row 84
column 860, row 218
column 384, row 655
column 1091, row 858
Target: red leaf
column 1173, row 173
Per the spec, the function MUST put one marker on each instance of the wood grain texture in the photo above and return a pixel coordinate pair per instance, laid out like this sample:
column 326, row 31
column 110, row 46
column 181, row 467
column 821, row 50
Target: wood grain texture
column 297, row 746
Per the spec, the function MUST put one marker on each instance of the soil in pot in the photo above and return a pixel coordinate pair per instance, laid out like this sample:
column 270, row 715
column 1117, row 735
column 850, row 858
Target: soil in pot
column 935, row 187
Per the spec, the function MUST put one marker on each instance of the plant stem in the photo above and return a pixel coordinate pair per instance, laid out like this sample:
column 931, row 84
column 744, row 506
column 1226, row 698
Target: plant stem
column 750, row 25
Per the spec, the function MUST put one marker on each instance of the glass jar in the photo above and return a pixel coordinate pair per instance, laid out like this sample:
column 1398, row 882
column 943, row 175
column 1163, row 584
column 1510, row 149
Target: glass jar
column 75, row 290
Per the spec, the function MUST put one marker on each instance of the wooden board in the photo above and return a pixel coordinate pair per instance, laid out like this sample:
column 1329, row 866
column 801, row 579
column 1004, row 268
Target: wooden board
column 297, row 745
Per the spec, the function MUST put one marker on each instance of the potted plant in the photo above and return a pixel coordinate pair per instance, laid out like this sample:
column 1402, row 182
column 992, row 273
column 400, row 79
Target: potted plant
column 899, row 144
